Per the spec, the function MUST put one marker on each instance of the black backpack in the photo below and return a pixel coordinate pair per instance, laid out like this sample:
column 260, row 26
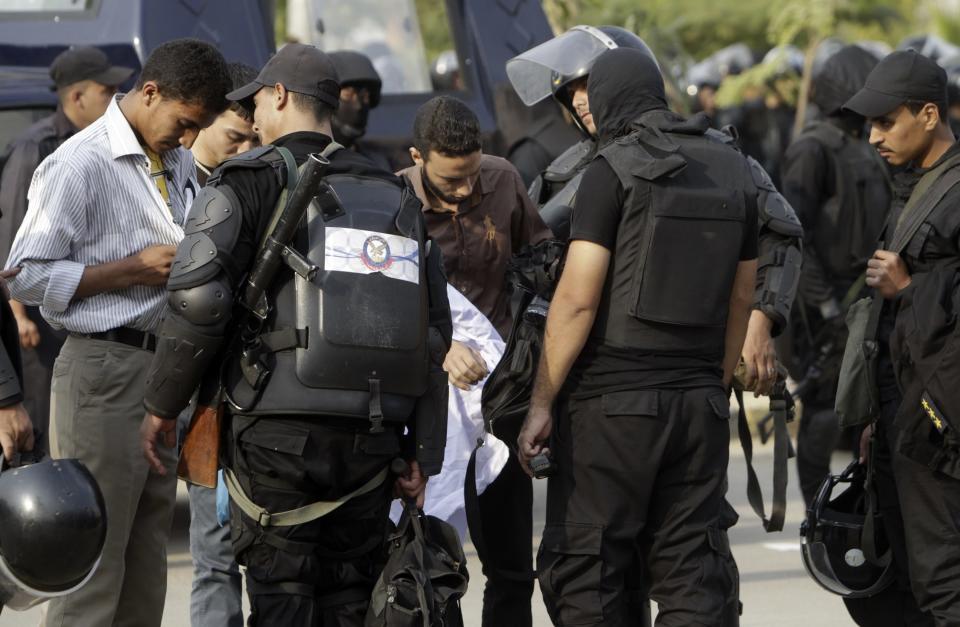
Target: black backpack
column 424, row 578
column 505, row 399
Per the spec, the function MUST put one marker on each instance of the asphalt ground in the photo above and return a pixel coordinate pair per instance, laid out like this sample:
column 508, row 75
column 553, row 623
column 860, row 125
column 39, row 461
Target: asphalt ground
column 775, row 589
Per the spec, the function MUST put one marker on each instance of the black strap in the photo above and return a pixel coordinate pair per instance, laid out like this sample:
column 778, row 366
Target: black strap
column 781, row 455
column 868, row 542
column 376, row 407
column 471, row 502
column 312, row 548
column 283, row 339
column 926, row 196
column 290, row 588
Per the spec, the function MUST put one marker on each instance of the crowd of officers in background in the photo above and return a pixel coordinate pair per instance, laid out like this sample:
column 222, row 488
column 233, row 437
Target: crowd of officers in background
column 646, row 328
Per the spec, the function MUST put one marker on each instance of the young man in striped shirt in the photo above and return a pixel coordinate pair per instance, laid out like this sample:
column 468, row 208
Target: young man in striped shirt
column 105, row 215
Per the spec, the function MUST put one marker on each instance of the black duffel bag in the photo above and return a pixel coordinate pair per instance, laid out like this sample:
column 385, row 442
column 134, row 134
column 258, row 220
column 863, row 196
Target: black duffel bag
column 424, row 578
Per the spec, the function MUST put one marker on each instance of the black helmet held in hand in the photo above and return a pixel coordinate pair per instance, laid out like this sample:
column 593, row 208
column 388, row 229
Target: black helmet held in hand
column 53, row 524
column 834, row 538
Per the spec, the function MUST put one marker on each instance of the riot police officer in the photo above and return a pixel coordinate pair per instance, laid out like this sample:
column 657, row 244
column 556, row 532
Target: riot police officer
column 560, row 67
column 642, row 338
column 840, row 189
column 323, row 376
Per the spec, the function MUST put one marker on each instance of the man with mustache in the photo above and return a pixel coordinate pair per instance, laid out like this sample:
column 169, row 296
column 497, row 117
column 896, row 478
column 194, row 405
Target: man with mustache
column 914, row 437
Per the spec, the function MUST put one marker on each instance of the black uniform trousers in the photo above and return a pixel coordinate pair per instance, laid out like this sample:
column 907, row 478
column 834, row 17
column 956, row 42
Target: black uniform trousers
column 931, row 506
column 642, row 479
column 506, row 514
column 321, row 573
column 895, row 606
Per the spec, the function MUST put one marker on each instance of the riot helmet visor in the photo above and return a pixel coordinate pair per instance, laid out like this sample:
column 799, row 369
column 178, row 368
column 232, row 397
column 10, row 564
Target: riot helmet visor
column 539, row 72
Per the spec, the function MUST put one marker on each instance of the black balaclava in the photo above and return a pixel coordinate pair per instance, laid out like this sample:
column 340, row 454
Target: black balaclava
column 350, row 122
column 843, row 74
column 354, row 70
column 624, row 84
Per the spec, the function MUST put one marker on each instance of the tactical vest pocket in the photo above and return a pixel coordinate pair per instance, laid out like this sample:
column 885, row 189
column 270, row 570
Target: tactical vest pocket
column 688, row 260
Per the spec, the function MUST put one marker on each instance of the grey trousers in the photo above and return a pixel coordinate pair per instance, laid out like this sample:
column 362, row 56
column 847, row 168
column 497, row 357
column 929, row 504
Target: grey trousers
column 96, row 408
column 215, row 598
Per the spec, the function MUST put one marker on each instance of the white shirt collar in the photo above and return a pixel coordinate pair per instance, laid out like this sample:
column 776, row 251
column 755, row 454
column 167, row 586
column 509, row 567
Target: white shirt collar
column 123, row 141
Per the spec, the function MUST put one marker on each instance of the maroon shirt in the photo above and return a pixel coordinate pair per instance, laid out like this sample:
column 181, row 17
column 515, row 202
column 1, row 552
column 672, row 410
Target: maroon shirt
column 479, row 238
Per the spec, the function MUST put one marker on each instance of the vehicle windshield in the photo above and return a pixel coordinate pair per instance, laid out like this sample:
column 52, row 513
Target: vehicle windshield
column 45, row 6
column 387, row 31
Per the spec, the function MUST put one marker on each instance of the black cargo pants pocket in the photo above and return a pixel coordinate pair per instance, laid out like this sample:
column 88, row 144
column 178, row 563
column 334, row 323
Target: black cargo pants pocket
column 570, row 570
column 719, row 577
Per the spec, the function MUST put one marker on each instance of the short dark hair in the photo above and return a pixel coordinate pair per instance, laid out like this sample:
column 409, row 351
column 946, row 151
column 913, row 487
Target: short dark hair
column 240, row 75
column 189, row 70
column 448, row 126
column 308, row 104
column 916, row 106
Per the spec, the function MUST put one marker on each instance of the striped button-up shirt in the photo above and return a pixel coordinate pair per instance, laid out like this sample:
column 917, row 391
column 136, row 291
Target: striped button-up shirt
column 93, row 201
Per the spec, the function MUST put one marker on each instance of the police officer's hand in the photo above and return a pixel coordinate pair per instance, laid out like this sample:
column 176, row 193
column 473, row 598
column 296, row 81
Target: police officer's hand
column 464, row 366
column 153, row 430
column 534, row 435
column 151, row 266
column 865, row 440
column 6, row 275
column 29, row 333
column 16, row 431
column 887, row 273
column 759, row 355
column 412, row 484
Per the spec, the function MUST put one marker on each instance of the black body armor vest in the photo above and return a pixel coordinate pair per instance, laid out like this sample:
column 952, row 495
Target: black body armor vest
column 850, row 222
column 352, row 341
column 679, row 240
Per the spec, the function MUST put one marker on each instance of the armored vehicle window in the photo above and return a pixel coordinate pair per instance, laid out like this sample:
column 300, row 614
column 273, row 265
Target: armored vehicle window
column 403, row 38
column 46, row 6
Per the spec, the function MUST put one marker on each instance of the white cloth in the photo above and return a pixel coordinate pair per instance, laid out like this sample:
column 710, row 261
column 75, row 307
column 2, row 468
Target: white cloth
column 93, row 201
column 444, row 497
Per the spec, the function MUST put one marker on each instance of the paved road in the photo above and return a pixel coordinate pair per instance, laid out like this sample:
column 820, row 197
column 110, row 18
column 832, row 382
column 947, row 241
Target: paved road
column 775, row 590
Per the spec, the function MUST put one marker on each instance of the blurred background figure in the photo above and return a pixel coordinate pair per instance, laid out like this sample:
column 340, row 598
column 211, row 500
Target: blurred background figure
column 445, row 72
column 360, row 87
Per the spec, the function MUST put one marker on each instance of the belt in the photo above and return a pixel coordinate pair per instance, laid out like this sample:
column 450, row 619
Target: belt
column 125, row 335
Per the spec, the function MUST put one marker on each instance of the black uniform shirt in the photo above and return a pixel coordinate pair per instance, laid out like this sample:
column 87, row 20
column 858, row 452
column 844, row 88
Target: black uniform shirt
column 25, row 153
column 596, row 218
column 937, row 240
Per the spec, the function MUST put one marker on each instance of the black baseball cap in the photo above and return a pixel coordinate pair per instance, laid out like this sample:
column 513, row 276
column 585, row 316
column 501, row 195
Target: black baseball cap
column 86, row 63
column 901, row 76
column 300, row 68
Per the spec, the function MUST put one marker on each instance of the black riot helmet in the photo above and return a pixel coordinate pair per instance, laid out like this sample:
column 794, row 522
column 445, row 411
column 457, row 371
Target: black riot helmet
column 53, row 524
column 356, row 70
column 833, row 538
column 547, row 69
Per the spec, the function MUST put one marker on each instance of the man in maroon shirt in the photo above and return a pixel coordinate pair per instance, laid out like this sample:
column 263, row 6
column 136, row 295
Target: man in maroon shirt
column 477, row 210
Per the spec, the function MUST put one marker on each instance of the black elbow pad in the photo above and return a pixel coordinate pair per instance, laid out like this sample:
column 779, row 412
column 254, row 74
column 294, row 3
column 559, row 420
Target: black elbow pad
column 184, row 353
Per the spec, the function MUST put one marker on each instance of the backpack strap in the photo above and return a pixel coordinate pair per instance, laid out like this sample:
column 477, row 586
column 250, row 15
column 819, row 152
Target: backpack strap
column 926, row 196
column 300, row 515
